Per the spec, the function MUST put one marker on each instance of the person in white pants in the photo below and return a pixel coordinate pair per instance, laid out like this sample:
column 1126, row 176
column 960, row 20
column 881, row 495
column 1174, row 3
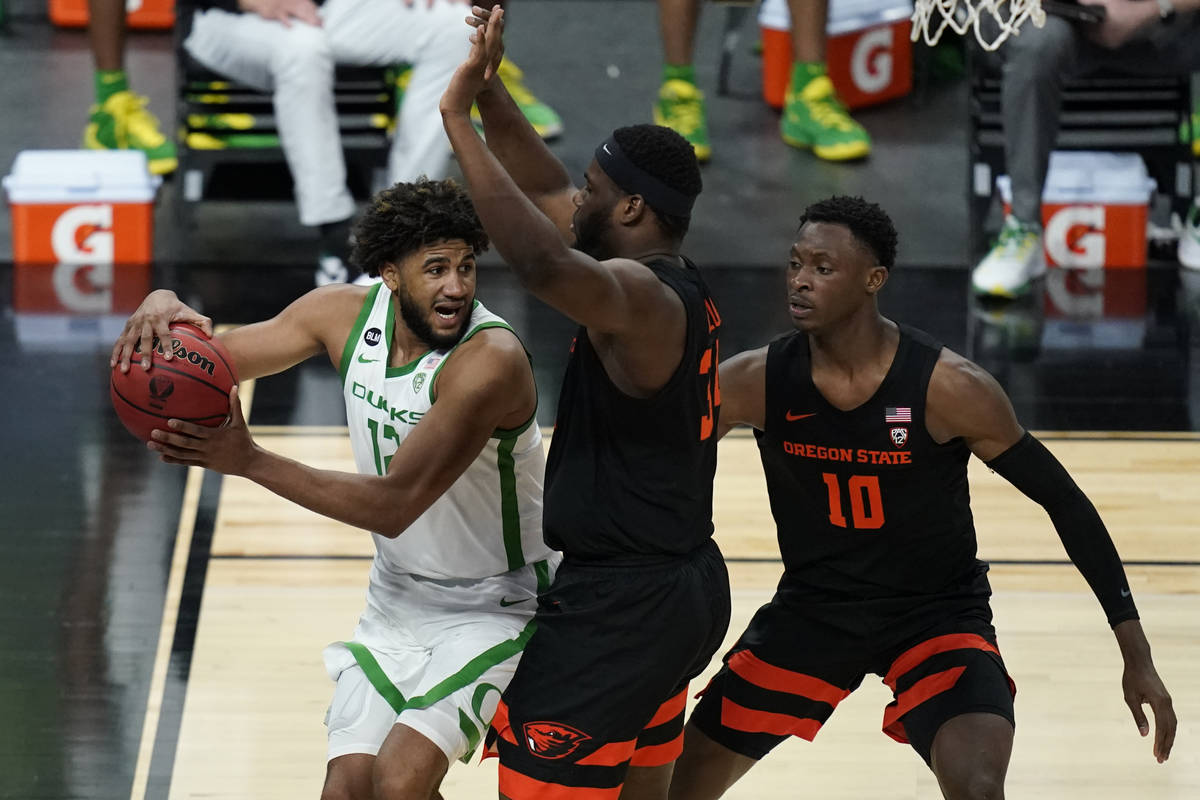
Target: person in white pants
column 290, row 48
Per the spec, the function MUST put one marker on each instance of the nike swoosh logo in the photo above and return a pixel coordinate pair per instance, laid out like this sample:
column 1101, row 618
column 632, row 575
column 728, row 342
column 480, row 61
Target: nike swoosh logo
column 605, row 146
column 505, row 602
column 362, row 360
column 790, row 417
column 1125, row 593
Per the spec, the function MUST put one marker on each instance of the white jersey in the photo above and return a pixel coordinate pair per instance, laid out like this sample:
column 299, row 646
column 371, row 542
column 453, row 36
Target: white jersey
column 489, row 521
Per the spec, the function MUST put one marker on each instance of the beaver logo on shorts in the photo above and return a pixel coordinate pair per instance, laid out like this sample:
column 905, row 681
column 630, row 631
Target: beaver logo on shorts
column 553, row 739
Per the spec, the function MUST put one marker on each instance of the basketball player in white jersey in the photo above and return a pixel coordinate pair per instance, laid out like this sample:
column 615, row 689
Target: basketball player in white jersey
column 440, row 401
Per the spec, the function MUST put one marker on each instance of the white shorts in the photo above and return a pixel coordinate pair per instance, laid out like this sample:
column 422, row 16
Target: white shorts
column 437, row 660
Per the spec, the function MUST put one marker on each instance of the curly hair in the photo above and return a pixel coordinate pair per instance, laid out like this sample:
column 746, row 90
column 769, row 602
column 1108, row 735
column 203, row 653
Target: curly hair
column 402, row 219
column 868, row 223
column 667, row 156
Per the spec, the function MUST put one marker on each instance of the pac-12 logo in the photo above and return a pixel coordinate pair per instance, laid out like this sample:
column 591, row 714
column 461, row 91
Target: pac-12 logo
column 553, row 739
column 899, row 436
column 373, row 336
column 84, row 235
column 871, row 62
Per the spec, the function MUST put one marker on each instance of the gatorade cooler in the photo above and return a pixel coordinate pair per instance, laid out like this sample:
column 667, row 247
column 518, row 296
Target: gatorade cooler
column 868, row 51
column 82, row 207
column 138, row 13
column 1094, row 209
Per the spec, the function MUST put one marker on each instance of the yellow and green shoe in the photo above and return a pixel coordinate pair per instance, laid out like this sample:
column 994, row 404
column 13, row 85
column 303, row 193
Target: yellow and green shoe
column 544, row 119
column 680, row 107
column 814, row 118
column 123, row 123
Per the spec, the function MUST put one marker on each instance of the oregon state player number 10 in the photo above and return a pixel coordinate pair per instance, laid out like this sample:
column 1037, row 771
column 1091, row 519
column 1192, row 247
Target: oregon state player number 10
column 866, row 504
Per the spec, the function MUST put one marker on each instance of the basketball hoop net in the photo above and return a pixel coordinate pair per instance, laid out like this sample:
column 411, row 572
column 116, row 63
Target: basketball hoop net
column 931, row 18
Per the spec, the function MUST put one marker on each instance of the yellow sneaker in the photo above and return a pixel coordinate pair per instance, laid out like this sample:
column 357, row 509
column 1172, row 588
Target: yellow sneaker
column 544, row 119
column 680, row 107
column 123, row 123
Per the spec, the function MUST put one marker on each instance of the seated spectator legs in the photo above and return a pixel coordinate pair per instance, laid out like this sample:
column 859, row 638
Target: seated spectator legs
column 1036, row 65
column 680, row 104
column 813, row 116
column 433, row 38
column 296, row 64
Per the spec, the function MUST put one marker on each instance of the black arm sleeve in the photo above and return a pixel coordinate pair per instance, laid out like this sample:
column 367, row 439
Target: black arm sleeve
column 1033, row 469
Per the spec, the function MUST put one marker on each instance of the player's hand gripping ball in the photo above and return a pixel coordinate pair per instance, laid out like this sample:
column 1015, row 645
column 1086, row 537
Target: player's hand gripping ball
column 193, row 386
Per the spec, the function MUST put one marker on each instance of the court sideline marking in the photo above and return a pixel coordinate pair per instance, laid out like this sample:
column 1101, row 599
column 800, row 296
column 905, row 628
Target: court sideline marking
column 161, row 731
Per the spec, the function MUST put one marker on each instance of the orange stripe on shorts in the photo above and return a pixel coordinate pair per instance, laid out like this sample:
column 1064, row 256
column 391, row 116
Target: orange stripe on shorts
column 931, row 647
column 610, row 755
column 669, row 710
column 777, row 679
column 913, row 696
column 516, row 786
column 658, row 754
column 749, row 720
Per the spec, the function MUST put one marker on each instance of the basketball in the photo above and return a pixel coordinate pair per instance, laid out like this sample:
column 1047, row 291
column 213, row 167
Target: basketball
column 193, row 386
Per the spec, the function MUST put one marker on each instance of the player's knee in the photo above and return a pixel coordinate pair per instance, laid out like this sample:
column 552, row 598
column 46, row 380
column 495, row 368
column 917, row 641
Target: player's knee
column 407, row 785
column 975, row 782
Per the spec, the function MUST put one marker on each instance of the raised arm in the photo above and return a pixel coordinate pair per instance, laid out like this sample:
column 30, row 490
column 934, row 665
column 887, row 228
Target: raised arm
column 618, row 296
column 486, row 384
column 965, row 401
column 536, row 171
column 743, row 385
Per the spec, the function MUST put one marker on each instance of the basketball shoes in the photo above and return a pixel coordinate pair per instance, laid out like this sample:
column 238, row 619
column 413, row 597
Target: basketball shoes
column 122, row 123
column 1189, row 239
column 1014, row 261
column 680, row 107
column 813, row 116
column 544, row 119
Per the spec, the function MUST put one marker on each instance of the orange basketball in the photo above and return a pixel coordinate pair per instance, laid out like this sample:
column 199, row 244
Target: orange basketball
column 193, row 386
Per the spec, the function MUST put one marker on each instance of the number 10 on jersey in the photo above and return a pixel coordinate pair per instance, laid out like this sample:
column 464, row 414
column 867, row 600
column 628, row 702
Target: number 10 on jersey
column 866, row 504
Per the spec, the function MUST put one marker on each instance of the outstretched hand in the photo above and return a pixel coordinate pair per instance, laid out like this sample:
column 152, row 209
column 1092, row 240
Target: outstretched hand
column 227, row 449
column 487, row 49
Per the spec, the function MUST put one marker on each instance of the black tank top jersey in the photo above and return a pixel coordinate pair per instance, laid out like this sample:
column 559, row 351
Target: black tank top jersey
column 867, row 505
column 633, row 477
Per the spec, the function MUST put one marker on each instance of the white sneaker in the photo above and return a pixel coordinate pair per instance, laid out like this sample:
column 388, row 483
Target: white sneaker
column 1189, row 240
column 1013, row 263
column 330, row 269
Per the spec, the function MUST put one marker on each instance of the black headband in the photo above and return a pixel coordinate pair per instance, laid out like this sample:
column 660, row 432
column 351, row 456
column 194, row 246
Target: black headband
column 632, row 179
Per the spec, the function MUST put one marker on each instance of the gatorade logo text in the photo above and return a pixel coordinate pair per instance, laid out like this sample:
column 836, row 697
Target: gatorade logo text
column 1075, row 237
column 871, row 63
column 83, row 234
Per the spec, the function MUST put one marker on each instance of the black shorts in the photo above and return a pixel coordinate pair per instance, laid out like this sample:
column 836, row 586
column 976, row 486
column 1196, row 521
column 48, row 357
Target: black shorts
column 791, row 668
column 602, row 682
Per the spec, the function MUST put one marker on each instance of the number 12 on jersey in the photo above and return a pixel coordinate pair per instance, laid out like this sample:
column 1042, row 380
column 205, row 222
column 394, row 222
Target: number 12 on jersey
column 866, row 504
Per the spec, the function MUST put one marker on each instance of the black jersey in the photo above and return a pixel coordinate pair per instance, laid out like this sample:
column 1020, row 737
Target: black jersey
column 867, row 505
column 633, row 476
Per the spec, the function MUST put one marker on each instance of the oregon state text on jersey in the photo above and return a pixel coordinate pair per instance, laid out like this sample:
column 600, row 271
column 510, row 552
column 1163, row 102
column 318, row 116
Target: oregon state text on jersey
column 866, row 504
column 629, row 476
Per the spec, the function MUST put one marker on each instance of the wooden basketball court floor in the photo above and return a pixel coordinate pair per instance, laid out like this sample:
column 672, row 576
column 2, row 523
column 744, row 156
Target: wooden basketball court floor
column 281, row 583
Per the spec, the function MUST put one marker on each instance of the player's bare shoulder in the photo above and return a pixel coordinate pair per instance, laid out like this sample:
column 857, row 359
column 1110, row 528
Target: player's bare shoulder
column 964, row 400
column 492, row 365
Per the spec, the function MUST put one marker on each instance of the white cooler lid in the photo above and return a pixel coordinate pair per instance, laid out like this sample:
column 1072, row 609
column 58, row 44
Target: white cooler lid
column 1081, row 176
column 844, row 15
column 70, row 176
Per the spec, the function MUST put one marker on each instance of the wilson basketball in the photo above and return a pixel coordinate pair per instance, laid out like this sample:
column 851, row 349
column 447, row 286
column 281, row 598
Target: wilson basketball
column 193, row 386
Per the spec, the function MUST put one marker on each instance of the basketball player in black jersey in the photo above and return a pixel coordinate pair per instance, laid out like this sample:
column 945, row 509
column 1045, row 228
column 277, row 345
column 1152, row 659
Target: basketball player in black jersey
column 641, row 601
column 865, row 428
